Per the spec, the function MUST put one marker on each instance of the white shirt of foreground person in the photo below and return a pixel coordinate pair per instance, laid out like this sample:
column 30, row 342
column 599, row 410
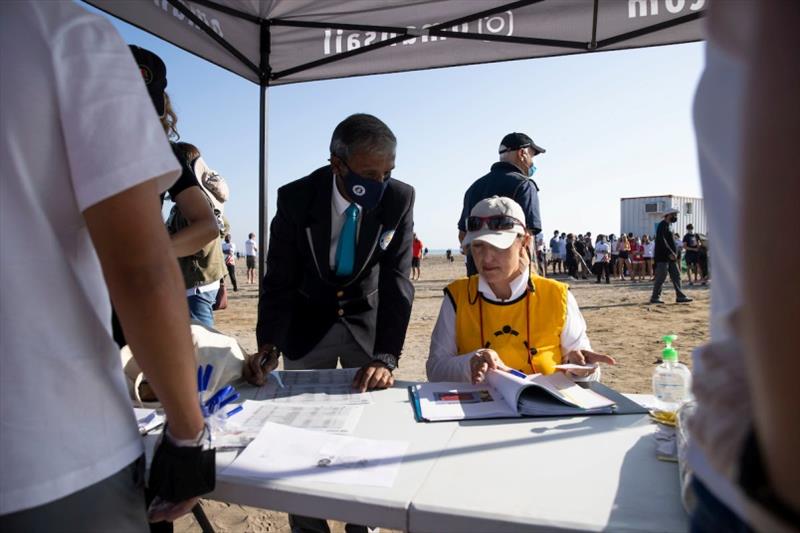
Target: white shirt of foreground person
column 77, row 127
column 718, row 126
column 446, row 364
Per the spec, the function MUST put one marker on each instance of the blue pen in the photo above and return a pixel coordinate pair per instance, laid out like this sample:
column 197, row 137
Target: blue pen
column 233, row 411
column 207, row 376
column 517, row 373
column 232, row 398
column 278, row 379
column 213, row 402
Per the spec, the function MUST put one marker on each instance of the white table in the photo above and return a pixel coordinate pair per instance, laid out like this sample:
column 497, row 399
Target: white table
column 566, row 474
column 585, row 473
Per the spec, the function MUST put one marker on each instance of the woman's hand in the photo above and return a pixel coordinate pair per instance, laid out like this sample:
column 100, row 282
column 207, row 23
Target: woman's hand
column 482, row 361
column 585, row 357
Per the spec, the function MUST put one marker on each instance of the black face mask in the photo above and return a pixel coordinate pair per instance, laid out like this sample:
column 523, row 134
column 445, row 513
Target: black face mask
column 673, row 219
column 364, row 191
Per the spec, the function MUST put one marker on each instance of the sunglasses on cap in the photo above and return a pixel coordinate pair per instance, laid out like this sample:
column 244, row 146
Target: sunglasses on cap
column 494, row 222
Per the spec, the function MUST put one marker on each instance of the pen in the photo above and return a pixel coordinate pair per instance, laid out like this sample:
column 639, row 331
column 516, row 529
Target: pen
column 263, row 364
column 214, row 402
column 233, row 411
column 517, row 373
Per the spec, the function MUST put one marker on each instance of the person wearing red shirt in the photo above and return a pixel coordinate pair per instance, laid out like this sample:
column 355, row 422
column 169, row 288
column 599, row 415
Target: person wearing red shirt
column 416, row 257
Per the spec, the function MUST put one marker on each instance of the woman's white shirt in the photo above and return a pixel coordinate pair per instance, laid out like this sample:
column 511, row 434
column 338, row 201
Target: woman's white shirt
column 601, row 249
column 446, row 364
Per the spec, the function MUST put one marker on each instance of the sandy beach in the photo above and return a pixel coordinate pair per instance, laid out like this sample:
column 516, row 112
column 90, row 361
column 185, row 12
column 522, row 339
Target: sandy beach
column 619, row 319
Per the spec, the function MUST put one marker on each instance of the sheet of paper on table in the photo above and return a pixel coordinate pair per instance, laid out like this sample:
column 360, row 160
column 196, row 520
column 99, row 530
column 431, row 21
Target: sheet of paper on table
column 148, row 419
column 328, row 376
column 329, row 387
column 241, row 429
column 284, row 452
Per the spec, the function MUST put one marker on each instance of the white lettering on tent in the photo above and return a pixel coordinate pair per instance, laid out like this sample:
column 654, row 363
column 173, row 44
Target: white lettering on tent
column 200, row 14
column 639, row 8
column 674, row 6
column 498, row 24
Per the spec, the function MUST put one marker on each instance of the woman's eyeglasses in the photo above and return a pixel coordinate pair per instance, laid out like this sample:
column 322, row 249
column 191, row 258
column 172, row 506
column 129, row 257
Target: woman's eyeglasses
column 494, row 222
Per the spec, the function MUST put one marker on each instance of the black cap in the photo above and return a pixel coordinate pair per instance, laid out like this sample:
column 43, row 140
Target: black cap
column 515, row 141
column 154, row 73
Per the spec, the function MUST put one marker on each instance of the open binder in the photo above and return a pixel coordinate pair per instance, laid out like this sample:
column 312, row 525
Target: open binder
column 504, row 395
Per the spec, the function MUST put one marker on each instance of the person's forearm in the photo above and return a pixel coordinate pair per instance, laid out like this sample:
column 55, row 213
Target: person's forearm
column 770, row 190
column 194, row 237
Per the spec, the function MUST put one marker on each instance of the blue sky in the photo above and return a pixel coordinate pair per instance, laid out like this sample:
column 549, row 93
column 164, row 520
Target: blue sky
column 614, row 124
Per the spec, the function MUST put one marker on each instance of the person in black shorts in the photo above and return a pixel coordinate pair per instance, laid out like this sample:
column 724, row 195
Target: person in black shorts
column 691, row 244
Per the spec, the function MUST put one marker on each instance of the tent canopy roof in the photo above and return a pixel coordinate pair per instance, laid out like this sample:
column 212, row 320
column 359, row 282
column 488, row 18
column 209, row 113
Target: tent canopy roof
column 274, row 42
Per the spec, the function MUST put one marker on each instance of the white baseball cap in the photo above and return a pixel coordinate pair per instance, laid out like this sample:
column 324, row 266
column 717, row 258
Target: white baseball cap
column 496, row 206
column 671, row 211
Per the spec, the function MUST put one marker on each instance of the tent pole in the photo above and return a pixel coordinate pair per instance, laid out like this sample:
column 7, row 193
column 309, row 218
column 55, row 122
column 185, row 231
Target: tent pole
column 263, row 182
column 263, row 170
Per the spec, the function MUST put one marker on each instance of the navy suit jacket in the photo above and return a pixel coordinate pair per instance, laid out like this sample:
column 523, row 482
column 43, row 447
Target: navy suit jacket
column 302, row 298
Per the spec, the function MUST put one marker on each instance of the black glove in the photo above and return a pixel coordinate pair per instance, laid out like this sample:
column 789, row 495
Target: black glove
column 179, row 473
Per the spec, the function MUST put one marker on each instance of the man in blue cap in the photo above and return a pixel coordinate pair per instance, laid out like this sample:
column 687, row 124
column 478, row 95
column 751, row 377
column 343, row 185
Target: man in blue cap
column 510, row 177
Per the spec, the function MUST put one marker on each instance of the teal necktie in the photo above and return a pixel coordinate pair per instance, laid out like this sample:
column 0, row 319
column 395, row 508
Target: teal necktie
column 346, row 249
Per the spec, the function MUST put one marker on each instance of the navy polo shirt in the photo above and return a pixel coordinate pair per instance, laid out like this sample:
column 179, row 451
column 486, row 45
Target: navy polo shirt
column 505, row 179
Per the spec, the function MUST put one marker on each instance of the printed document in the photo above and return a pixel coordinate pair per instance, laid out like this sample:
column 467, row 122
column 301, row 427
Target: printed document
column 240, row 430
column 329, row 387
column 288, row 453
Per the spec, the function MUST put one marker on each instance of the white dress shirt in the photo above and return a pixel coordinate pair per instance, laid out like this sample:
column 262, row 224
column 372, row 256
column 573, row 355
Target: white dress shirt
column 446, row 364
column 339, row 205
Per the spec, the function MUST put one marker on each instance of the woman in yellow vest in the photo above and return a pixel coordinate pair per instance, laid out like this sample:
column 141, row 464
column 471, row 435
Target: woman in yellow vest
column 506, row 317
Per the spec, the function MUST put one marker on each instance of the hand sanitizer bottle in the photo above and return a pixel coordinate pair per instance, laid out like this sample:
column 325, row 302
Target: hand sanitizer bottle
column 672, row 381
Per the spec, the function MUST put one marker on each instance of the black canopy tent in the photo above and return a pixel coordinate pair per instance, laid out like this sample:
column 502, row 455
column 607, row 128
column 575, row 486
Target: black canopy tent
column 276, row 42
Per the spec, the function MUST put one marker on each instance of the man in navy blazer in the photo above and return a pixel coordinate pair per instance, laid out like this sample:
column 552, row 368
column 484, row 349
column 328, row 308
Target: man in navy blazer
column 337, row 282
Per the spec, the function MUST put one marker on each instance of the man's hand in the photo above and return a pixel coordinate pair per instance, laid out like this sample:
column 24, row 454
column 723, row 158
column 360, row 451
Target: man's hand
column 257, row 366
column 372, row 376
column 482, row 361
column 584, row 357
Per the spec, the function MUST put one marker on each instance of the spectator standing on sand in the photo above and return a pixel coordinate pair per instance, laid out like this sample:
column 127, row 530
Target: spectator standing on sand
column 555, row 253
column 229, row 250
column 692, row 247
column 251, row 256
column 416, row 257
column 602, row 258
column 647, row 255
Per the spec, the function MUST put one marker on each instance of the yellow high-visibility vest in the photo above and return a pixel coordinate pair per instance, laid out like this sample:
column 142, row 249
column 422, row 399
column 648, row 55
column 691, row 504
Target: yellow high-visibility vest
column 525, row 332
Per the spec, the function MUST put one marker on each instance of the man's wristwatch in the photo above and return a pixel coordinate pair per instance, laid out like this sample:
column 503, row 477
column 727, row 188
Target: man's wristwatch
column 387, row 359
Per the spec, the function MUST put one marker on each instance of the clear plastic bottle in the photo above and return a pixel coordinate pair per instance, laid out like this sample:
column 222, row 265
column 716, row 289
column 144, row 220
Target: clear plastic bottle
column 672, row 381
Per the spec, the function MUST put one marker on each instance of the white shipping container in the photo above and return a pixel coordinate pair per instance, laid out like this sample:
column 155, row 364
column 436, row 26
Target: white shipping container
column 641, row 214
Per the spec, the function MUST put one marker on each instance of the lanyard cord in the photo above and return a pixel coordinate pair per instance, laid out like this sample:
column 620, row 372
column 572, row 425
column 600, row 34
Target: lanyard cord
column 527, row 326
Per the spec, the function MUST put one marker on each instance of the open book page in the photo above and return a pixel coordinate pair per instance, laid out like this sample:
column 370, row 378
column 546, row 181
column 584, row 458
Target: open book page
column 458, row 401
column 508, row 385
column 569, row 392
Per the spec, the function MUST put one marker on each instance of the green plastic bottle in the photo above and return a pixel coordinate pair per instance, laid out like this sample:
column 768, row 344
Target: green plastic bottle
column 672, row 381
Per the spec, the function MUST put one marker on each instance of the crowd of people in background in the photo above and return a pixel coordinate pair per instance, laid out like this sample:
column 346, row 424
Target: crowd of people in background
column 628, row 257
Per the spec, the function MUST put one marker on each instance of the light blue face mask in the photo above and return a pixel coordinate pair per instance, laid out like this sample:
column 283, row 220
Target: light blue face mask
column 531, row 170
